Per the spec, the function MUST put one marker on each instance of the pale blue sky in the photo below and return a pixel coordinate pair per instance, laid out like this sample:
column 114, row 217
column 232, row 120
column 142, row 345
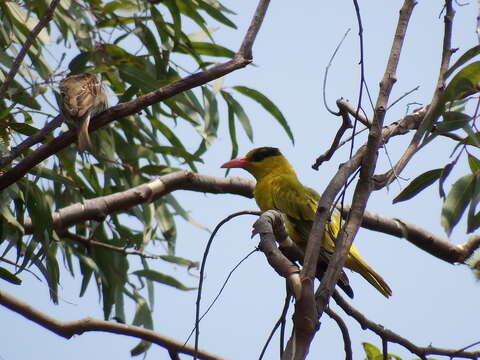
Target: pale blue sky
column 433, row 302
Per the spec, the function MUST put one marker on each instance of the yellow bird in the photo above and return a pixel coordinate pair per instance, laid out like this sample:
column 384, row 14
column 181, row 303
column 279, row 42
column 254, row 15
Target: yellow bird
column 279, row 188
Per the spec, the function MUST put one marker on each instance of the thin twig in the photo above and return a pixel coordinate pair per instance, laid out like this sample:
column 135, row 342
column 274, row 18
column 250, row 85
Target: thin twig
column 202, row 272
column 221, row 290
column 78, row 327
column 364, row 186
column 390, row 336
column 346, row 124
column 403, row 96
column 39, row 136
column 121, row 250
column 327, row 68
column 347, row 343
column 386, row 178
column 26, row 46
column 279, row 322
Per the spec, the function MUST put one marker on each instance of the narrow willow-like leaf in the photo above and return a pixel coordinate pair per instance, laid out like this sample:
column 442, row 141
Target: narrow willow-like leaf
column 467, row 56
column 235, row 106
column 474, row 163
column 8, row 276
column 473, row 219
column 162, row 279
column 418, row 184
column 457, row 201
column 268, row 105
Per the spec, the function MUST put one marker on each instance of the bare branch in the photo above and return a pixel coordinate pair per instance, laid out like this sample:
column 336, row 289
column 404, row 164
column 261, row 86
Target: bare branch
column 352, row 110
column 368, row 156
column 99, row 208
column 78, row 327
column 346, row 124
column 347, row 343
column 425, row 240
column 390, row 336
column 413, row 147
column 241, row 59
column 90, row 242
column 202, row 272
column 26, row 46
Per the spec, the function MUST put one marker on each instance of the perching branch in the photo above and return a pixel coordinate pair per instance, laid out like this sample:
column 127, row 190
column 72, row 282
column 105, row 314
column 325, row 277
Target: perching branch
column 306, row 314
column 365, row 185
column 78, row 327
column 389, row 336
column 242, row 58
column 26, row 46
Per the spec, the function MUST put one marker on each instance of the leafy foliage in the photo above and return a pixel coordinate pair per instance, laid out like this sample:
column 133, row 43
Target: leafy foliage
column 452, row 108
column 135, row 47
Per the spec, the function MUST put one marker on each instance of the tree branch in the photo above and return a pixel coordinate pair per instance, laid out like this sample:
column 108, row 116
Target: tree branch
column 431, row 114
column 98, row 208
column 26, row 46
column 71, row 328
column 39, row 136
column 347, row 343
column 390, row 336
column 365, row 186
column 425, row 240
column 240, row 60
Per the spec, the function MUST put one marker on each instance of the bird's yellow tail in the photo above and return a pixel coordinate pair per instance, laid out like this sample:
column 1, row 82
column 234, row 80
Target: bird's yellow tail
column 356, row 263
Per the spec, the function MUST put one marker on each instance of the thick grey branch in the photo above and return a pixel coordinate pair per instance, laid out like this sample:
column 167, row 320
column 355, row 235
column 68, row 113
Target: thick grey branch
column 99, row 208
column 71, row 328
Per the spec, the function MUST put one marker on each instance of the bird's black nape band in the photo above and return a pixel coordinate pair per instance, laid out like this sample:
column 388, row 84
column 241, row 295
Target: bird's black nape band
column 263, row 153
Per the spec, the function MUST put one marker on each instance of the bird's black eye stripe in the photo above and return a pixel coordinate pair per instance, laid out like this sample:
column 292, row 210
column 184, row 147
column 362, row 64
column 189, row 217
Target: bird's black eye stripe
column 265, row 152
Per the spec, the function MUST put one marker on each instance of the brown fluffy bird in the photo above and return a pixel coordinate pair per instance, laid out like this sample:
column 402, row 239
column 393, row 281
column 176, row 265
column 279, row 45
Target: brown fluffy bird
column 82, row 98
column 279, row 188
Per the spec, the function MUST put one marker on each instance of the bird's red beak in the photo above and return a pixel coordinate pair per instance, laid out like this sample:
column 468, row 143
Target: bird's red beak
column 236, row 163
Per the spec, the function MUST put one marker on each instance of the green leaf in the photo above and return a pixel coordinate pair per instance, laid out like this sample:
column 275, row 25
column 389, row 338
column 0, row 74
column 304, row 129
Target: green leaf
column 162, row 279
column 49, row 174
column 473, row 220
column 233, row 133
column 79, row 63
column 8, row 276
column 170, row 199
column 209, row 49
column 445, row 172
column 456, row 202
column 467, row 55
column 180, row 261
column 235, row 106
column 23, row 128
column 452, row 121
column 463, row 84
column 216, row 14
column 474, row 163
column 268, row 105
column 418, row 184
column 371, row 351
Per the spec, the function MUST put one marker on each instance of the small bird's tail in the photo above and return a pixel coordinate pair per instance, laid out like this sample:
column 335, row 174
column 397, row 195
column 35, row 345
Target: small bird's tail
column 83, row 138
column 357, row 264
